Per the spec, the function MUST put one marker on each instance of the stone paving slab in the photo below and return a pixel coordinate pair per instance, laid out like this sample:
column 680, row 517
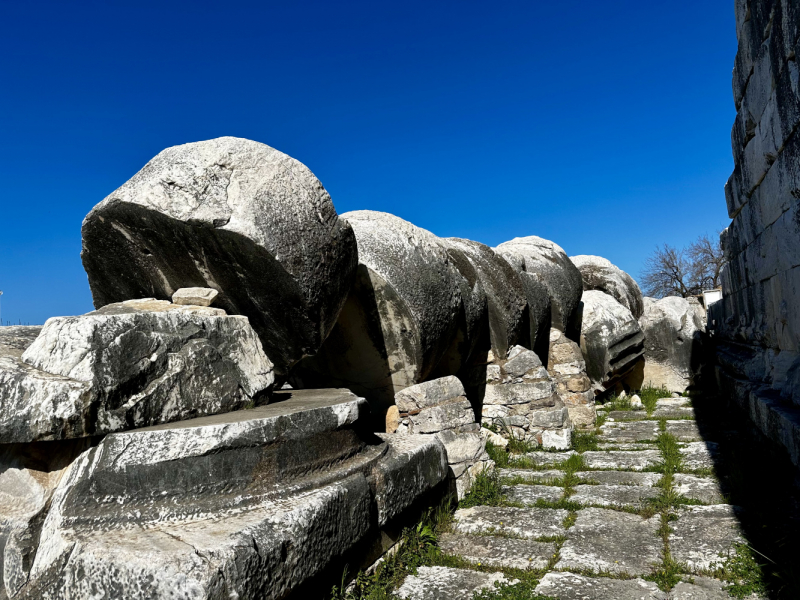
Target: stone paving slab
column 684, row 431
column 613, row 495
column 703, row 588
column 626, row 415
column 703, row 489
column 635, row 431
column 673, row 412
column 619, row 459
column 496, row 551
column 444, row 583
column 673, row 402
column 619, row 477
column 623, row 446
column 613, row 541
column 544, row 477
column 529, row 494
column 702, row 533
column 699, row 455
column 569, row 586
column 505, row 520
column 545, row 459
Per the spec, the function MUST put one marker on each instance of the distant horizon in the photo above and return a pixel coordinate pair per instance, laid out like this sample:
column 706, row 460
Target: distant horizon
column 605, row 129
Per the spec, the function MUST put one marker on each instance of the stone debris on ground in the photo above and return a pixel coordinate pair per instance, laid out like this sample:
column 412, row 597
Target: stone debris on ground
column 607, row 542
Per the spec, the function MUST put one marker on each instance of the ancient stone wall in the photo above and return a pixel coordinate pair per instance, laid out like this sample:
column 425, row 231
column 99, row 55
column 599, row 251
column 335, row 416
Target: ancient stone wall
column 757, row 324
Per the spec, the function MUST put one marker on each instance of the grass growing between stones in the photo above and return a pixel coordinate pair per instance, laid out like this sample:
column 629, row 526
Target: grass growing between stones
column 742, row 572
column 583, row 441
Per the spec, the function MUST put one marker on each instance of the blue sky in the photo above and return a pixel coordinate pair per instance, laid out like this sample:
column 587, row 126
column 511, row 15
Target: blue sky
column 603, row 126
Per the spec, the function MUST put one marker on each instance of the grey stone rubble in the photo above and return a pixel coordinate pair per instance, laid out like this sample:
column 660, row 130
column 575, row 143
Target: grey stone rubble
column 568, row 369
column 195, row 296
column 127, row 365
column 673, row 343
column 520, row 400
column 233, row 215
column 441, row 409
column 608, row 550
column 611, row 340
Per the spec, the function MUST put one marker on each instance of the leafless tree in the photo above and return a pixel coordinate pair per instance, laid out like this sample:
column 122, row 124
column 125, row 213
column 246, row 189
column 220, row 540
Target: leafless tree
column 683, row 272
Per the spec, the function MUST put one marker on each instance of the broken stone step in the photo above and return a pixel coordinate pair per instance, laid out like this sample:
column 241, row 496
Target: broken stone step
column 529, row 523
column 445, row 583
column 529, row 494
column 702, row 535
column 569, row 586
column 684, row 431
column 673, row 402
column 544, row 477
column 673, row 412
column 619, row 478
column 703, row 489
column 699, row 455
column 635, row 431
column 613, row 541
column 613, row 495
column 548, row 459
column 626, row 415
column 494, row 551
column 617, row 459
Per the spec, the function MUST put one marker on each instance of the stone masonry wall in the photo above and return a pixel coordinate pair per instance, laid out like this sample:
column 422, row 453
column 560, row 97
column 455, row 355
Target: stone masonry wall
column 757, row 324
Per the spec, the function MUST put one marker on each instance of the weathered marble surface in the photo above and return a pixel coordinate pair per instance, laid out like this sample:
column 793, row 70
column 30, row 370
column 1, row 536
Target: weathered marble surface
column 601, row 274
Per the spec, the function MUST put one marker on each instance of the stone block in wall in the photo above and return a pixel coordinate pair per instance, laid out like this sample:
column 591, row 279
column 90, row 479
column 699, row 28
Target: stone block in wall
column 568, row 369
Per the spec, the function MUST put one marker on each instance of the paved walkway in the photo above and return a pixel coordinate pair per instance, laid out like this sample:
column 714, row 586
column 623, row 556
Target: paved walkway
column 611, row 523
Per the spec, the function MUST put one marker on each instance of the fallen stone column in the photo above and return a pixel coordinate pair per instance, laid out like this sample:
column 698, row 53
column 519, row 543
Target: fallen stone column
column 611, row 340
column 600, row 274
column 236, row 216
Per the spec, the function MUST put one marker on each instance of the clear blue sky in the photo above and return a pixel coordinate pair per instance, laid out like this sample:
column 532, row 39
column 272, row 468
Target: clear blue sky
column 603, row 126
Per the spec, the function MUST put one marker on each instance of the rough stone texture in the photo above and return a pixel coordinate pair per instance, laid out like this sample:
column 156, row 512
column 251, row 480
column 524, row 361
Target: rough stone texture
column 673, row 344
column 400, row 319
column 704, row 588
column 127, row 365
column 548, row 458
column 698, row 488
column 195, row 296
column 611, row 339
column 550, row 265
column 600, row 274
column 619, row 478
column 704, row 535
column 543, row 477
column 608, row 540
column 626, row 415
column 529, row 523
column 439, row 407
column 699, row 455
column 15, row 339
column 494, row 551
column 529, row 494
column 444, row 583
column 617, row 459
column 568, row 369
column 613, row 495
column 520, row 399
column 636, row 431
column 684, row 431
column 509, row 321
column 569, row 586
column 207, row 508
column 233, row 215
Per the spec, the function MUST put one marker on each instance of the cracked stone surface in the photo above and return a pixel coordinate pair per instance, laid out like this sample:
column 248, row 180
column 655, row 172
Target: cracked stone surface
column 673, row 412
column 497, row 551
column 613, row 495
column 528, row 523
column 444, row 583
column 617, row 459
column 636, row 431
column 684, row 431
column 699, row 455
column 704, row 588
column 623, row 446
column 703, row 535
column 627, row 415
column 608, row 540
column 703, row 489
column 546, row 459
column 569, row 586
column 673, row 402
column 619, row 477
column 529, row 494
column 544, row 477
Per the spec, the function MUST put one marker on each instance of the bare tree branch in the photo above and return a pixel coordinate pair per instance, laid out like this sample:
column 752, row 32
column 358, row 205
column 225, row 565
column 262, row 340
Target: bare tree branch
column 683, row 272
